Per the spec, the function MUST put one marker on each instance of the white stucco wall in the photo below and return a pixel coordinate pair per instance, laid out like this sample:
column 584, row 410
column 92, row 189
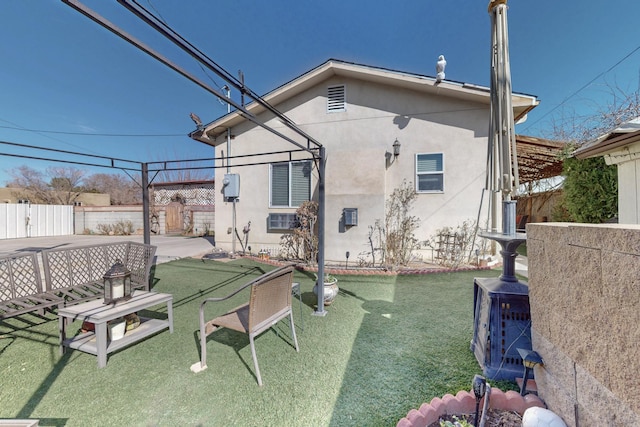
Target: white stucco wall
column 357, row 174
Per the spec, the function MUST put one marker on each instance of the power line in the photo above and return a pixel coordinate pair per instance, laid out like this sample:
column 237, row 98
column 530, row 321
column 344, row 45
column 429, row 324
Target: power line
column 164, row 21
column 22, row 128
column 583, row 87
column 93, row 134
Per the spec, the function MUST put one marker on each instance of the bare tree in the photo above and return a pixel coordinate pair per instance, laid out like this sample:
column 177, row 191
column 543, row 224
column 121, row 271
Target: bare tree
column 189, row 170
column 621, row 107
column 58, row 186
column 122, row 189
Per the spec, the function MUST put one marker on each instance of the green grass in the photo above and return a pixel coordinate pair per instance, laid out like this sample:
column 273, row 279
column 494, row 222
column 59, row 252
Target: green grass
column 387, row 345
column 522, row 249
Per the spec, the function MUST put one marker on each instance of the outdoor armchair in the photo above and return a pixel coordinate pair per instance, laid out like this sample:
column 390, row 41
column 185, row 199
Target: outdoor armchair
column 269, row 302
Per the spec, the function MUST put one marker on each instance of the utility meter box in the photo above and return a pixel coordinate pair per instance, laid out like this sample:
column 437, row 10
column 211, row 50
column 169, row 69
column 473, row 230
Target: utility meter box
column 231, row 185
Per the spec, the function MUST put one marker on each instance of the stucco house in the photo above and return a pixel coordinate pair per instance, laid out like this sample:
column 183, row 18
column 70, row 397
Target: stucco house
column 621, row 147
column 380, row 128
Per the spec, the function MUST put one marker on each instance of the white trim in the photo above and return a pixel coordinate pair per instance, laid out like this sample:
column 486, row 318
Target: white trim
column 442, row 172
column 290, row 183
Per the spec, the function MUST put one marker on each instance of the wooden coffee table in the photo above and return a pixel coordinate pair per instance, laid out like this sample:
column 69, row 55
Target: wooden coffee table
column 98, row 313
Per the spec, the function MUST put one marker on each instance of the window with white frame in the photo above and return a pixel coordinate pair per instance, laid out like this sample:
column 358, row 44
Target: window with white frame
column 430, row 173
column 281, row 221
column 290, row 183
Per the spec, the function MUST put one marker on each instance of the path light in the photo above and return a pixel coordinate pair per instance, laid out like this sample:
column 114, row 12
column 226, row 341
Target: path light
column 530, row 359
column 117, row 283
column 479, row 389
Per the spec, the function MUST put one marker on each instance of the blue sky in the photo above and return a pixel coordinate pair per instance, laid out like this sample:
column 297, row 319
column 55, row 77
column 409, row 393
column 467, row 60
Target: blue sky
column 69, row 84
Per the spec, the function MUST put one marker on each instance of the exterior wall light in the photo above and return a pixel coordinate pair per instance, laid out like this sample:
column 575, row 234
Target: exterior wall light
column 396, row 148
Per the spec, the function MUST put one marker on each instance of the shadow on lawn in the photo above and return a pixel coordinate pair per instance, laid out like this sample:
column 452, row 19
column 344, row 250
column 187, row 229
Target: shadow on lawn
column 21, row 323
column 23, row 327
column 411, row 345
column 245, row 273
column 44, row 387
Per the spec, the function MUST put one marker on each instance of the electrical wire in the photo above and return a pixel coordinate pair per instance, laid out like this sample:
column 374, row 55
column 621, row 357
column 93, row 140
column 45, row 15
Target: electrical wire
column 523, row 332
column 582, row 88
column 123, row 135
column 164, row 21
column 44, row 134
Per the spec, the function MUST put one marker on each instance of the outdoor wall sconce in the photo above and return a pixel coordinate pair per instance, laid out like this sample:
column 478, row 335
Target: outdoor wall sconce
column 391, row 157
column 530, row 359
column 396, row 148
column 117, row 283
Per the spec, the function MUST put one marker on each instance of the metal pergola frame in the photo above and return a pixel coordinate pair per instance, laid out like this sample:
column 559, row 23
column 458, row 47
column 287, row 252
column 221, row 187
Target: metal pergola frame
column 309, row 145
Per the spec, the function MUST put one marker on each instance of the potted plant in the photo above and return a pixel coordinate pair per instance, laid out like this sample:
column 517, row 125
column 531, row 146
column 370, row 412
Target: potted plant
column 330, row 285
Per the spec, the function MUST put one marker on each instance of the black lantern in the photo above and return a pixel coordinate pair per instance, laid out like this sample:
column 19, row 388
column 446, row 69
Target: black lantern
column 396, row 148
column 117, row 283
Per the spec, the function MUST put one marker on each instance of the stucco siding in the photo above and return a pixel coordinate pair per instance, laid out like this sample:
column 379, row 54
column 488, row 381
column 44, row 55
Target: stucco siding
column 358, row 174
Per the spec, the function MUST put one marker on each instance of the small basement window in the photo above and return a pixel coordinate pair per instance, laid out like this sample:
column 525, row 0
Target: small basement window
column 336, row 99
column 281, row 221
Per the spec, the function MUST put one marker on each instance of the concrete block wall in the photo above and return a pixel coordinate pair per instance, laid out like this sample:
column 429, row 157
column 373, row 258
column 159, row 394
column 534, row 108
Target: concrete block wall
column 203, row 219
column 584, row 291
column 89, row 217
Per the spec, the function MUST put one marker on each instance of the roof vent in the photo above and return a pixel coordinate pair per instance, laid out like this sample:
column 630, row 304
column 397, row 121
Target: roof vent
column 336, row 99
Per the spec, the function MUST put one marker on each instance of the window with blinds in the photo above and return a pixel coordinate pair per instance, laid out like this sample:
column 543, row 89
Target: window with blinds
column 281, row 221
column 290, row 183
column 336, row 99
column 430, row 173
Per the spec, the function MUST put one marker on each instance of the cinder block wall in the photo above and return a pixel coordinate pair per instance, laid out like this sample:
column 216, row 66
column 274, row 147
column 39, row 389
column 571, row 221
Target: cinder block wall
column 584, row 290
column 87, row 218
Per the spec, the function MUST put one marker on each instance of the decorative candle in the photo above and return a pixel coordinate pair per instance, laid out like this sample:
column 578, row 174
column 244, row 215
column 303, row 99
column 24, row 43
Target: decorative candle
column 118, row 291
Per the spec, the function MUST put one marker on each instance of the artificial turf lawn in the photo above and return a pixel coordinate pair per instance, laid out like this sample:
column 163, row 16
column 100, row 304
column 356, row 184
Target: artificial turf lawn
column 387, row 345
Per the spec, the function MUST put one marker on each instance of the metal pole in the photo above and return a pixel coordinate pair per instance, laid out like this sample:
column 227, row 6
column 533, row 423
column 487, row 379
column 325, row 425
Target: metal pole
column 233, row 214
column 226, row 88
column 145, row 204
column 320, row 311
column 501, row 127
column 233, row 232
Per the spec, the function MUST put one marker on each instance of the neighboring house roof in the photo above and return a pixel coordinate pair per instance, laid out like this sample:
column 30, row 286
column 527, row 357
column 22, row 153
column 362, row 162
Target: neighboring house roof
column 625, row 134
column 522, row 103
column 538, row 158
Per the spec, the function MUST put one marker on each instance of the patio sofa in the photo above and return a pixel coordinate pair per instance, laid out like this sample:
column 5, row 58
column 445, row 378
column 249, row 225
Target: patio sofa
column 71, row 275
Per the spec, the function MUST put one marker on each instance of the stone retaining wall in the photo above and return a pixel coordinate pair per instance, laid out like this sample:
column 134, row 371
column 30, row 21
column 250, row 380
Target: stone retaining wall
column 584, row 291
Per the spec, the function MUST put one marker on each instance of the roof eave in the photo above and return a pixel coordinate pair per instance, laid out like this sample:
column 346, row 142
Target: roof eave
column 607, row 145
column 522, row 103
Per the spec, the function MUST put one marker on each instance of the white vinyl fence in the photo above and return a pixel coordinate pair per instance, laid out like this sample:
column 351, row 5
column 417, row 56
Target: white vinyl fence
column 27, row 220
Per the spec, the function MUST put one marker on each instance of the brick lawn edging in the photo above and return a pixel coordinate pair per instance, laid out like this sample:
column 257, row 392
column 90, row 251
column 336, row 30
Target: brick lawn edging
column 367, row 271
column 464, row 402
